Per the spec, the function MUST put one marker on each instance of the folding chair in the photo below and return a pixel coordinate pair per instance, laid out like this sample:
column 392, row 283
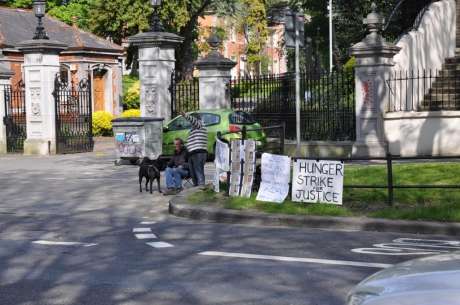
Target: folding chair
column 187, row 180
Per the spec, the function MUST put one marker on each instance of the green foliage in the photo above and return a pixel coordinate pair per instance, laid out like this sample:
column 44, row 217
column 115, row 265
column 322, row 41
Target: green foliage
column 102, row 123
column 131, row 92
column 255, row 19
column 20, row 3
column 131, row 113
column 118, row 19
column 76, row 8
column 350, row 64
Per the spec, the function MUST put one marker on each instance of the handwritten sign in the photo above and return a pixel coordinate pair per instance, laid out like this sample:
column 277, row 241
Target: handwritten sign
column 235, row 168
column 248, row 167
column 318, row 181
column 242, row 167
column 276, row 173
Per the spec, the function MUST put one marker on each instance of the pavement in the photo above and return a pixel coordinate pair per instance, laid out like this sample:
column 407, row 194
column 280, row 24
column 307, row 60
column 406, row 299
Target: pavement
column 74, row 230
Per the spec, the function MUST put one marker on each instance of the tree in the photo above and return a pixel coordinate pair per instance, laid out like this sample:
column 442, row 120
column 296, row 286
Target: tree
column 348, row 22
column 118, row 19
column 256, row 31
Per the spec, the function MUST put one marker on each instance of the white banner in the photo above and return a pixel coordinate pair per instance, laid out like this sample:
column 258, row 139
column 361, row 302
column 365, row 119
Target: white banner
column 276, row 168
column 276, row 173
column 318, row 181
column 222, row 153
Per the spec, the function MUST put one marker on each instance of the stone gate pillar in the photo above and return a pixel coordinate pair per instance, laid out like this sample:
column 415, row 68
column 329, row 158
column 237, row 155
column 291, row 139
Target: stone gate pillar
column 41, row 64
column 374, row 60
column 156, row 63
column 5, row 76
column 214, row 77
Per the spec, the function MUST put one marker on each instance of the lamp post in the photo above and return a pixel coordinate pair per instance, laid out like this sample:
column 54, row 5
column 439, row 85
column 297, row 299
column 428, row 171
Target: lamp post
column 155, row 22
column 39, row 10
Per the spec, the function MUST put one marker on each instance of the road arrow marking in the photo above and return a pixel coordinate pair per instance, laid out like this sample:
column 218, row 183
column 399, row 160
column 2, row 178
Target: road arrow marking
column 295, row 259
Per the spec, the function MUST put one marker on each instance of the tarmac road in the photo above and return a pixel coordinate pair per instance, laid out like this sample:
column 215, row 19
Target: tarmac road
column 74, row 229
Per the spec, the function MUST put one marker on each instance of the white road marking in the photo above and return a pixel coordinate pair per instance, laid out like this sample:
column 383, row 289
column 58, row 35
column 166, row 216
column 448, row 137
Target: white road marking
column 148, row 222
column 295, row 259
column 160, row 244
column 139, row 230
column 145, row 236
column 62, row 243
column 411, row 246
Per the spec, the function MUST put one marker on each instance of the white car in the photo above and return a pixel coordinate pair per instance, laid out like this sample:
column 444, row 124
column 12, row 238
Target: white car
column 433, row 280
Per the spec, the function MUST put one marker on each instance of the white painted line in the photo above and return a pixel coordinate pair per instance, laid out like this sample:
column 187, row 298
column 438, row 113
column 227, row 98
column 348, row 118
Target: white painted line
column 295, row 259
column 148, row 222
column 145, row 236
column 139, row 230
column 62, row 243
column 411, row 246
column 160, row 244
column 393, row 251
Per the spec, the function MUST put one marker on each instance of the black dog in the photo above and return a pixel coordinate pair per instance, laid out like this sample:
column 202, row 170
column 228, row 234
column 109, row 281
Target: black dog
column 150, row 169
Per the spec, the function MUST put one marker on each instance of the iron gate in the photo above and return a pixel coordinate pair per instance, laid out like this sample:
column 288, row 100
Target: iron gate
column 15, row 117
column 184, row 94
column 73, row 116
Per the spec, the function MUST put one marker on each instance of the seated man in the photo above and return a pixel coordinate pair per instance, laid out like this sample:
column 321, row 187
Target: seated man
column 177, row 168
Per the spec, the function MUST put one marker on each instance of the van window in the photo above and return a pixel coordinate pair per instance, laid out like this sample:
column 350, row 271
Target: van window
column 208, row 118
column 242, row 118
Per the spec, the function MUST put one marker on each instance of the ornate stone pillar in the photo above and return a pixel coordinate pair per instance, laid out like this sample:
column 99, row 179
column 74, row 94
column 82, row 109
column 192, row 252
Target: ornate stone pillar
column 41, row 64
column 214, row 77
column 374, row 60
column 5, row 76
column 156, row 63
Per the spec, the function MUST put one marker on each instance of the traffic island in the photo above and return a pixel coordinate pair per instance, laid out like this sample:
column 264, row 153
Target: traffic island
column 186, row 205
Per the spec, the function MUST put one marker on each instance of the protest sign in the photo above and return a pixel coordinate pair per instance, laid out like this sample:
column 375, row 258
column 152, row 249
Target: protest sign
column 242, row 167
column 276, row 173
column 235, row 168
column 248, row 167
column 318, row 181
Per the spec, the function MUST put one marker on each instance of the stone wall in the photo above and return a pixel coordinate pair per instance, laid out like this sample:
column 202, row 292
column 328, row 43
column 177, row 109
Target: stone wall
column 432, row 42
column 423, row 133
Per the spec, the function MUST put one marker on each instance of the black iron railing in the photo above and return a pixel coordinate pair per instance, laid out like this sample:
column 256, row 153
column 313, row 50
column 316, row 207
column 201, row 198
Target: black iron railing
column 327, row 103
column 185, row 94
column 424, row 90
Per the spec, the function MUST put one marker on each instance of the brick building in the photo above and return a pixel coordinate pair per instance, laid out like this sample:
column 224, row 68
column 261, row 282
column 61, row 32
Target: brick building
column 87, row 56
column 235, row 45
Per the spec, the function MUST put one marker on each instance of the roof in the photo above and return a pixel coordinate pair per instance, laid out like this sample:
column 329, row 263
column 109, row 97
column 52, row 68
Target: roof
column 18, row 25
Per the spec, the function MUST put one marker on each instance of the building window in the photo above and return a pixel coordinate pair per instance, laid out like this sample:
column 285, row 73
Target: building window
column 64, row 73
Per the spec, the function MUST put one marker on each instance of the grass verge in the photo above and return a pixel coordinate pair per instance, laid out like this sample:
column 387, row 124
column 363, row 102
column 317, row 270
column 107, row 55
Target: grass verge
column 410, row 204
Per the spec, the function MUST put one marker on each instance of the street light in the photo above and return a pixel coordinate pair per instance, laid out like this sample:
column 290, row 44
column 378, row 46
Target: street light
column 155, row 22
column 39, row 10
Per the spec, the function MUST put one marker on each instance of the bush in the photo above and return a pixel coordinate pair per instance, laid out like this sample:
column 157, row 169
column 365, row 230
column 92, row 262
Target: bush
column 131, row 99
column 131, row 113
column 102, row 123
